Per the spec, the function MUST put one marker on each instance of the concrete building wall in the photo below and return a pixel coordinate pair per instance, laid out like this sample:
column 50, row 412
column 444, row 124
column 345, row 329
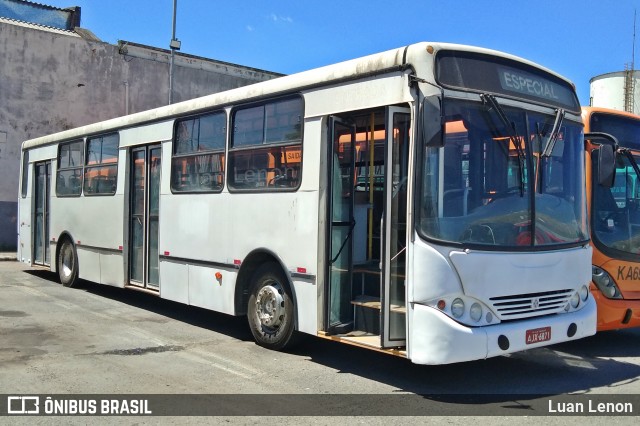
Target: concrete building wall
column 52, row 80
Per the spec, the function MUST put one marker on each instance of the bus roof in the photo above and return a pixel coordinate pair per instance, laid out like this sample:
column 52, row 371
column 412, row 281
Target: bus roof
column 588, row 110
column 395, row 59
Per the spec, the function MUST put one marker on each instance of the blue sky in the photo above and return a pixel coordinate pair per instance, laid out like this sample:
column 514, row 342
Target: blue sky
column 577, row 38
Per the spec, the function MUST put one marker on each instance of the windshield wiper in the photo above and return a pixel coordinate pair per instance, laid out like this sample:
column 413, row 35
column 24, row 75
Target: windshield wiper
column 492, row 103
column 555, row 132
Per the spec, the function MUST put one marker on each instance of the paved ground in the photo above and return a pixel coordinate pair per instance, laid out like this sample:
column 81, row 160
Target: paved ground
column 99, row 340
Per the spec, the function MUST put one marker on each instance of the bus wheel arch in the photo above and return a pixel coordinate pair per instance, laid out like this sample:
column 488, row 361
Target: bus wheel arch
column 265, row 294
column 67, row 261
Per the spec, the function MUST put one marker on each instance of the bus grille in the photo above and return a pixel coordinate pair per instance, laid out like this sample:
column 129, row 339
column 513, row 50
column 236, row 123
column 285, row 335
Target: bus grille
column 530, row 305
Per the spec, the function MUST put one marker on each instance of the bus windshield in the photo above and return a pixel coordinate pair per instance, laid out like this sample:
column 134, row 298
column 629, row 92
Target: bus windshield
column 626, row 129
column 616, row 210
column 492, row 184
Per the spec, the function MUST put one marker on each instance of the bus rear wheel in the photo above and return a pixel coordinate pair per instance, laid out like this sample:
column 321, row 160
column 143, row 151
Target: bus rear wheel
column 270, row 309
column 68, row 264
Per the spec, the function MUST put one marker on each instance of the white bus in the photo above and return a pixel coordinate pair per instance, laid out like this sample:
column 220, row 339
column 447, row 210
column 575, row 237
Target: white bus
column 461, row 236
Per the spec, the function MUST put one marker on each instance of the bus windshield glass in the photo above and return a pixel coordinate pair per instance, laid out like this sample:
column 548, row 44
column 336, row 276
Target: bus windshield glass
column 490, row 185
column 625, row 129
column 616, row 210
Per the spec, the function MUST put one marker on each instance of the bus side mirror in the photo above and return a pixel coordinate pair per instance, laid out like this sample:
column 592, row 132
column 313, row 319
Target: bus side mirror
column 606, row 156
column 432, row 123
column 606, row 165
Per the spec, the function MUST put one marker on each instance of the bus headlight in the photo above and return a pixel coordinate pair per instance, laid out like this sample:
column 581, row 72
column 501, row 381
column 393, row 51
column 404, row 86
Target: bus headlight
column 476, row 312
column 605, row 283
column 575, row 300
column 584, row 293
column 489, row 317
column 465, row 310
column 457, row 308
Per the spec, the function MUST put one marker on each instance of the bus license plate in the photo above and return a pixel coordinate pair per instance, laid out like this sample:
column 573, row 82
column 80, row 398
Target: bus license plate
column 538, row 335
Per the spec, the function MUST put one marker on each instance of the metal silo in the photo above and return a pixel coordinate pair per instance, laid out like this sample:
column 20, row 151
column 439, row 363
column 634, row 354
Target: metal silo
column 617, row 90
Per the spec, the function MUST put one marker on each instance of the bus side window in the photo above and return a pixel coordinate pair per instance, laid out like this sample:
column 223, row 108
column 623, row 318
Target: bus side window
column 198, row 160
column 70, row 165
column 101, row 168
column 61, row 185
column 74, row 184
column 266, row 146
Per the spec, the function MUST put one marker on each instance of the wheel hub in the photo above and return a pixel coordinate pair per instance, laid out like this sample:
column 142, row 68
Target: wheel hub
column 270, row 305
column 67, row 260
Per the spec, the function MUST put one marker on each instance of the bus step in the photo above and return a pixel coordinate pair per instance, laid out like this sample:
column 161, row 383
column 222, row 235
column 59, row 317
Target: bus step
column 374, row 303
column 367, row 314
column 362, row 339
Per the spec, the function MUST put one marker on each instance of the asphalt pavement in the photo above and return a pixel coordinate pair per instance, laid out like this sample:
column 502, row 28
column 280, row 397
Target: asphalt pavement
column 96, row 343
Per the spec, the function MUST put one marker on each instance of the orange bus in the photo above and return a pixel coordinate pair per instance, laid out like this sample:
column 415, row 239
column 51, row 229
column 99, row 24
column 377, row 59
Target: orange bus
column 615, row 220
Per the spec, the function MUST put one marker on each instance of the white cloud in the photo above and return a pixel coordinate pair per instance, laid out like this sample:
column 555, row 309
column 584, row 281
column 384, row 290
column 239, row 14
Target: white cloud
column 280, row 18
column 250, row 28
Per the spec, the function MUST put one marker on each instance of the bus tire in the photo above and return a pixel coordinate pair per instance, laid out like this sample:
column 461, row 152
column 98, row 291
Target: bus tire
column 270, row 311
column 68, row 264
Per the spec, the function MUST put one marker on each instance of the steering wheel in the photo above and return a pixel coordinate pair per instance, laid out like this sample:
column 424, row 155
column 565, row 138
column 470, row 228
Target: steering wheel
column 279, row 181
column 479, row 233
column 504, row 194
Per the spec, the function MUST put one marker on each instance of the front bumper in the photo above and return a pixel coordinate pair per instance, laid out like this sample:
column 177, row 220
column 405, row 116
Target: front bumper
column 435, row 338
column 614, row 314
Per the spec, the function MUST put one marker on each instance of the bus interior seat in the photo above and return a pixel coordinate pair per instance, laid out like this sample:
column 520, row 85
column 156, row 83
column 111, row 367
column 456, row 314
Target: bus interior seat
column 74, row 184
column 61, row 185
column 607, row 207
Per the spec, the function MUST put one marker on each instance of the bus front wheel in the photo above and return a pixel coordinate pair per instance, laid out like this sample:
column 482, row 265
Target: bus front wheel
column 270, row 309
column 68, row 264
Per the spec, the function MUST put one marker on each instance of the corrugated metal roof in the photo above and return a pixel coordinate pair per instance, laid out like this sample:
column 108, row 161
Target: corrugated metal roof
column 40, row 14
column 37, row 27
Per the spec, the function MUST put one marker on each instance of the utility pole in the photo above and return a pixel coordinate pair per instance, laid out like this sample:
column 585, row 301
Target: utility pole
column 174, row 45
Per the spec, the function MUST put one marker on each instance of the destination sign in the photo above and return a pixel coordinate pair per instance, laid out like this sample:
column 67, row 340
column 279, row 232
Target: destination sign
column 493, row 74
column 528, row 84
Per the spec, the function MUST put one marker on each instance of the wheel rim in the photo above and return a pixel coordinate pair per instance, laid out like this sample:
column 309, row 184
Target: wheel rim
column 67, row 260
column 270, row 308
